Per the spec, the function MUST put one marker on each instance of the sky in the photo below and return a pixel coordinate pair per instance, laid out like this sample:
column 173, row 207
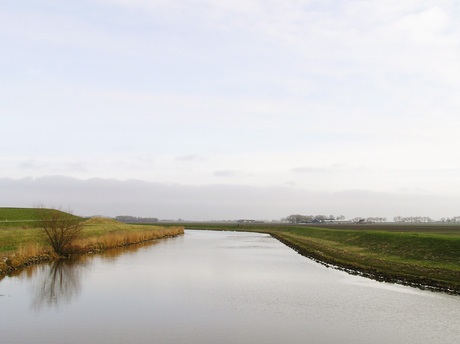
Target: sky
column 231, row 109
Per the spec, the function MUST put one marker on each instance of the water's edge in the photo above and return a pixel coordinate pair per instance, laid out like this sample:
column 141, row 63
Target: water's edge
column 416, row 282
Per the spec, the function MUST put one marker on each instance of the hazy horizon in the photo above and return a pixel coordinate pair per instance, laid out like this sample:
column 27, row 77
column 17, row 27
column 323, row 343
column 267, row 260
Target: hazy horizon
column 231, row 109
column 110, row 197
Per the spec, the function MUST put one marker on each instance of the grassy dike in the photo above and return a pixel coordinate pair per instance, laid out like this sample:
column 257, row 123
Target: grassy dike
column 21, row 245
column 424, row 260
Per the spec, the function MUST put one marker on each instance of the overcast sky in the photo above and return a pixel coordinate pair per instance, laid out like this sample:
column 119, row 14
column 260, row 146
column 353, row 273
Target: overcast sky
column 231, row 108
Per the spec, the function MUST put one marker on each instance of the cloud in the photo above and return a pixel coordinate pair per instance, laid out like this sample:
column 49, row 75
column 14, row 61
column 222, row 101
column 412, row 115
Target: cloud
column 190, row 158
column 323, row 169
column 32, row 164
column 206, row 202
column 309, row 169
column 257, row 92
column 225, row 173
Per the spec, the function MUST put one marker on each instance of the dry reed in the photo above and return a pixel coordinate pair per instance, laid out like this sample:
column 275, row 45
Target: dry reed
column 30, row 253
column 25, row 255
column 118, row 239
column 30, row 250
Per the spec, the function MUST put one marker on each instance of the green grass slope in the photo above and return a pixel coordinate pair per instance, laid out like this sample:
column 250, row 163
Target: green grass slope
column 19, row 217
column 19, row 226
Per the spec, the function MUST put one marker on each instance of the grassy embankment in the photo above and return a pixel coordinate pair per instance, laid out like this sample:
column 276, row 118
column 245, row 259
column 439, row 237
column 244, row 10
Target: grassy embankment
column 422, row 258
column 23, row 242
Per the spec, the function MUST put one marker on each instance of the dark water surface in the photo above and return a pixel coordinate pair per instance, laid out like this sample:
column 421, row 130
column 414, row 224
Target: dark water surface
column 216, row 287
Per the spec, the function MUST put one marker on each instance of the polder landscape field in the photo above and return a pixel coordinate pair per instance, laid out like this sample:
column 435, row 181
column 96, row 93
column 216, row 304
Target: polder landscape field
column 24, row 242
column 426, row 256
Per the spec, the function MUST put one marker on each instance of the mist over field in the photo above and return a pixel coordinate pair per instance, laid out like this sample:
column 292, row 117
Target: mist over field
column 112, row 197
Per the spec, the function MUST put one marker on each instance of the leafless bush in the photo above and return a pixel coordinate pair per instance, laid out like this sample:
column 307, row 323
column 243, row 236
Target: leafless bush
column 61, row 228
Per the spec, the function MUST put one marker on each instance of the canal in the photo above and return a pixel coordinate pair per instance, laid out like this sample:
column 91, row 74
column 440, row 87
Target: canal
column 215, row 287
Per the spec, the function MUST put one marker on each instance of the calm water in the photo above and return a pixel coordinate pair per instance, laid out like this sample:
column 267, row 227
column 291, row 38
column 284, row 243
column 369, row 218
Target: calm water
column 216, row 287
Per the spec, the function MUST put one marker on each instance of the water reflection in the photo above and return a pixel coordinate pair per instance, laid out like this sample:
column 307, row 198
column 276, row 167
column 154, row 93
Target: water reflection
column 58, row 283
column 215, row 287
column 115, row 252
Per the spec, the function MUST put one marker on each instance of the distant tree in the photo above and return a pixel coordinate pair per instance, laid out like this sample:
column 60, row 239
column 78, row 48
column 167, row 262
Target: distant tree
column 320, row 217
column 132, row 219
column 309, row 218
column 61, row 228
column 296, row 218
column 415, row 219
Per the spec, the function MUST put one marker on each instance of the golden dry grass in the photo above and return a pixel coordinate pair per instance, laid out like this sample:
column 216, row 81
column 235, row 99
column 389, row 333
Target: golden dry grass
column 117, row 239
column 30, row 250
column 97, row 234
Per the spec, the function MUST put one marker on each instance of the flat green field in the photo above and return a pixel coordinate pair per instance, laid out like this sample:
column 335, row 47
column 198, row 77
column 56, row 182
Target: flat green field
column 428, row 228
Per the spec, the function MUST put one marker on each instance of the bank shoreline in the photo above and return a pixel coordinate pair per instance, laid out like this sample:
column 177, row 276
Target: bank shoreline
column 98, row 235
column 378, row 275
column 10, row 265
column 302, row 244
column 361, row 259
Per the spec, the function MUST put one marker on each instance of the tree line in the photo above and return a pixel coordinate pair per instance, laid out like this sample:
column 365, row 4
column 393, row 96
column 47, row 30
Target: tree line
column 369, row 219
column 297, row 218
column 425, row 219
column 134, row 219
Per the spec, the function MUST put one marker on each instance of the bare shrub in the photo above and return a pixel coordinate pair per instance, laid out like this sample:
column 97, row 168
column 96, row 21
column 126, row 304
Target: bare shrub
column 61, row 228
